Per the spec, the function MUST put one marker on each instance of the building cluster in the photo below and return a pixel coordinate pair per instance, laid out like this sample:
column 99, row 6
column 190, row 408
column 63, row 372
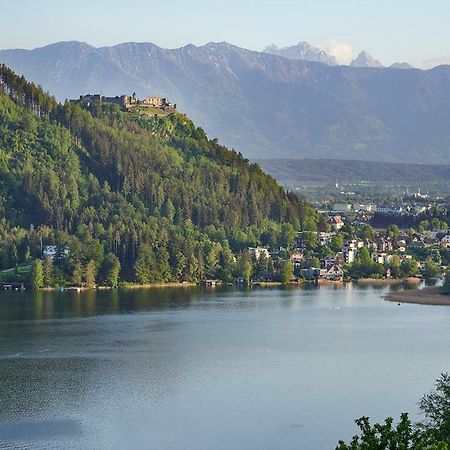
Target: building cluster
column 382, row 250
column 382, row 247
column 411, row 204
column 392, row 209
column 127, row 102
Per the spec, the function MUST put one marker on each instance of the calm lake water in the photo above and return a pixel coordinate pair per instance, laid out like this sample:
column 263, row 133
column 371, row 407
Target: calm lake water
column 225, row 369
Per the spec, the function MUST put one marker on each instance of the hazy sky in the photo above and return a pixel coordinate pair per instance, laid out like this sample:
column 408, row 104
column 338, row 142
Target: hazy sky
column 391, row 30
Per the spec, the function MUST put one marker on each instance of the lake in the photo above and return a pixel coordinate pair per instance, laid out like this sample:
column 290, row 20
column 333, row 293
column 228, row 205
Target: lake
column 190, row 369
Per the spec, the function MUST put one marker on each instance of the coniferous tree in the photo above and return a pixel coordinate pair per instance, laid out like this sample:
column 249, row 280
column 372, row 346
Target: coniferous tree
column 245, row 267
column 90, row 274
column 77, row 273
column 37, row 275
column 110, row 269
column 48, row 271
column 286, row 272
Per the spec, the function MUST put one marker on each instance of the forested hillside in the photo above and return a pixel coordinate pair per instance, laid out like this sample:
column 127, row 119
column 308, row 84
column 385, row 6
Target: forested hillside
column 150, row 197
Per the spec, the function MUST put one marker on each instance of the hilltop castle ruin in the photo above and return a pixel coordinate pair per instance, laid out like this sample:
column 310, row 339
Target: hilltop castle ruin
column 126, row 101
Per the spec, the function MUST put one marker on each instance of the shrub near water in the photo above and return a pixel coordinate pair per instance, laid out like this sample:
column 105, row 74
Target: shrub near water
column 432, row 434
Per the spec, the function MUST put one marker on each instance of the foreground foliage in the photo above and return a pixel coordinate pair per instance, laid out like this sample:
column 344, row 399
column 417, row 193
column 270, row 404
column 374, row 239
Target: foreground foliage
column 404, row 436
column 432, row 434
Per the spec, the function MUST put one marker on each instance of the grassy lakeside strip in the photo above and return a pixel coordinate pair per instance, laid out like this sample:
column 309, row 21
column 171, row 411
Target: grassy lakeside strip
column 425, row 296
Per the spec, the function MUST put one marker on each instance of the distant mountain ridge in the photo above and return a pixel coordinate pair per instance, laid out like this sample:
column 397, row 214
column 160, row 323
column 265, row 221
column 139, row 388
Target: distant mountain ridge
column 302, row 51
column 402, row 65
column 365, row 60
column 294, row 172
column 306, row 52
column 264, row 105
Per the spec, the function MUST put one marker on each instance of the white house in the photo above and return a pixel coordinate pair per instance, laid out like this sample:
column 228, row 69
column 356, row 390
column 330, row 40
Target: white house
column 381, row 258
column 342, row 207
column 401, row 246
column 328, row 261
column 363, row 207
column 349, row 255
column 297, row 259
column 52, row 251
column 257, row 252
column 325, row 238
column 334, row 273
column 336, row 222
column 390, row 209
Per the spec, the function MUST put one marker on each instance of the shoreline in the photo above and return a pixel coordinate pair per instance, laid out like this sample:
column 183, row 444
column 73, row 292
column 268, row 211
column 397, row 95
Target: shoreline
column 326, row 281
column 120, row 287
column 409, row 280
column 320, row 281
column 425, row 296
column 156, row 285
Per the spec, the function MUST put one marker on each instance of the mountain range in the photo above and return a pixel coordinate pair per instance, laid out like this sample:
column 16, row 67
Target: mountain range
column 262, row 104
column 365, row 60
column 306, row 52
column 302, row 51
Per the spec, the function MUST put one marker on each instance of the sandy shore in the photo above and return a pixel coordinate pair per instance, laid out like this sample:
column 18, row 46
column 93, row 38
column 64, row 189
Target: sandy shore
column 426, row 296
column 325, row 281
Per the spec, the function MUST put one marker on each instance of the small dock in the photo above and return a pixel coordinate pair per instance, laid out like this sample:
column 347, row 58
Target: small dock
column 210, row 283
column 73, row 288
column 12, row 286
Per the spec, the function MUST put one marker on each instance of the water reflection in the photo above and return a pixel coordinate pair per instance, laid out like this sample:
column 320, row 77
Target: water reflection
column 55, row 304
column 188, row 368
column 44, row 305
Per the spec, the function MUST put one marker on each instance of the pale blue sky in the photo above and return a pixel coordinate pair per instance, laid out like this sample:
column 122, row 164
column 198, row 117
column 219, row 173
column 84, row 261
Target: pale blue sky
column 391, row 30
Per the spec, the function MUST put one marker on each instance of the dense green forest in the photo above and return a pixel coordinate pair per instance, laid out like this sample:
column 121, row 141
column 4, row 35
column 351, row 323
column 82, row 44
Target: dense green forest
column 144, row 199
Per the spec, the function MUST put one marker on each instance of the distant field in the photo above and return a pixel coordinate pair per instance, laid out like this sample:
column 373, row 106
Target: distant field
column 21, row 275
column 151, row 111
column 23, row 269
column 292, row 172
